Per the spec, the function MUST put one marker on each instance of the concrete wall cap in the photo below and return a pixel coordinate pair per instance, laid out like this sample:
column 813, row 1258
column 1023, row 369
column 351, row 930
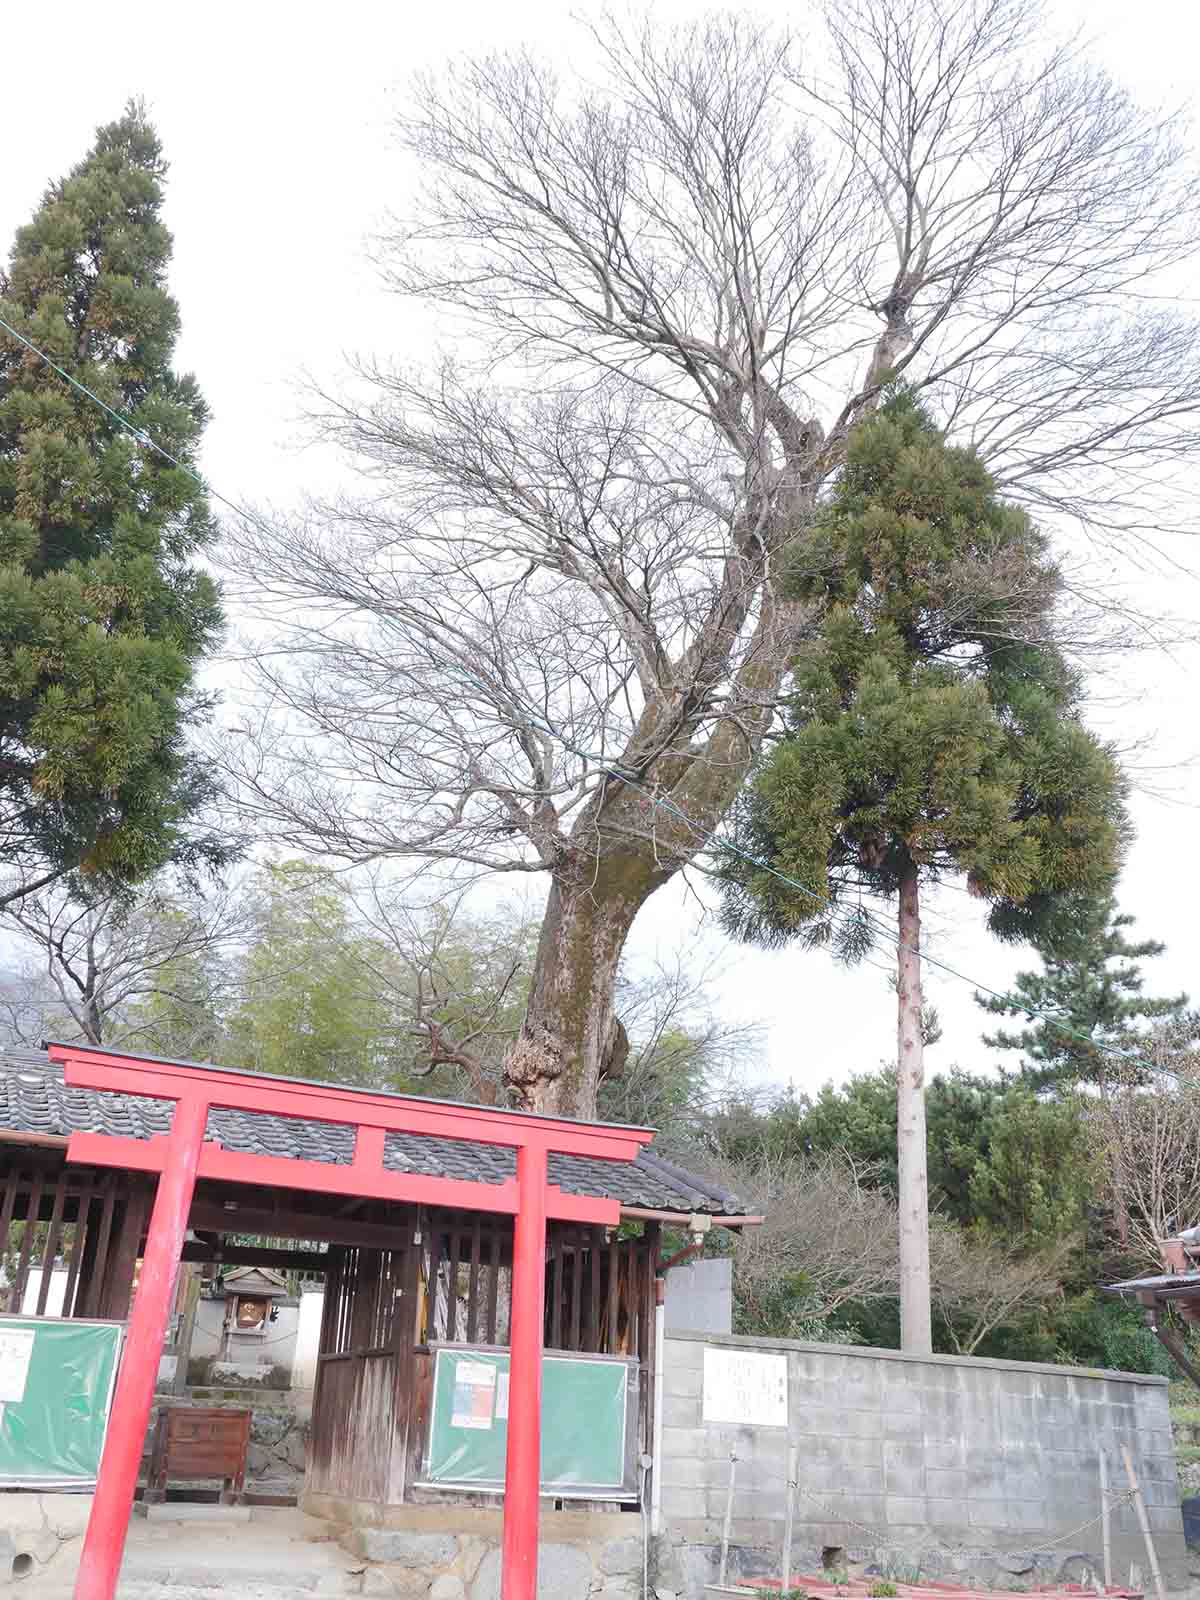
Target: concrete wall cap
column 870, row 1353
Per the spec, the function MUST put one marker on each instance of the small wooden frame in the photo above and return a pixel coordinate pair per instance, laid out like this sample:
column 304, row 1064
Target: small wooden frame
column 193, row 1442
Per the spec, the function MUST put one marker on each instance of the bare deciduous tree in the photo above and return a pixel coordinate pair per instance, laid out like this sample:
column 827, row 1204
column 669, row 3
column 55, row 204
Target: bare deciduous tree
column 979, row 1282
column 829, row 1239
column 550, row 634
column 457, row 982
column 1146, row 1141
column 108, row 969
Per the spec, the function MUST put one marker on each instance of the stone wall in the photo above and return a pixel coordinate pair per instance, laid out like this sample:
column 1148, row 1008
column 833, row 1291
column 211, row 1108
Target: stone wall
column 948, row 1466
column 33, row 1527
column 279, row 1434
column 453, row 1553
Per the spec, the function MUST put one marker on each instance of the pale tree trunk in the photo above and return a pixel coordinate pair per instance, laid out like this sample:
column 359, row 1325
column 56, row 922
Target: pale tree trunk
column 632, row 837
column 916, row 1333
column 571, row 1037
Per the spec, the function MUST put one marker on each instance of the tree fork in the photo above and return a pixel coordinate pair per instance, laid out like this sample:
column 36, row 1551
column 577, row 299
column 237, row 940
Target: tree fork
column 571, row 1037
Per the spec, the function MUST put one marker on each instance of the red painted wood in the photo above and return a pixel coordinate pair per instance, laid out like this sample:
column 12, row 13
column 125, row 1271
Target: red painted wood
column 323, row 1177
column 184, row 1156
column 368, row 1149
column 522, row 1477
column 104, row 1541
column 324, row 1102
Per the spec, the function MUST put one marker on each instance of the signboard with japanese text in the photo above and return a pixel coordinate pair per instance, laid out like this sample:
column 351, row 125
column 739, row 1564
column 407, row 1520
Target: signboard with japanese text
column 748, row 1388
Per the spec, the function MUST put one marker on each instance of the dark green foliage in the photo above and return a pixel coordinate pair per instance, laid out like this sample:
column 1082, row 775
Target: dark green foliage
column 1089, row 1329
column 1091, row 979
column 1004, row 1162
column 931, row 722
column 103, row 616
column 1000, row 1157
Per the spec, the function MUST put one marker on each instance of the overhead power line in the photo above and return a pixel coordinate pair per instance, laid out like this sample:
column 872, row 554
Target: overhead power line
column 706, row 839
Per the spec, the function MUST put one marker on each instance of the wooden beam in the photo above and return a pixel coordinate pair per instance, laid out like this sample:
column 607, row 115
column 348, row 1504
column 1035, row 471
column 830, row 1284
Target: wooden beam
column 239, row 1255
column 373, row 1113
column 682, row 1218
column 330, row 1178
column 213, row 1218
column 208, row 1217
column 1176, row 1351
column 46, row 1141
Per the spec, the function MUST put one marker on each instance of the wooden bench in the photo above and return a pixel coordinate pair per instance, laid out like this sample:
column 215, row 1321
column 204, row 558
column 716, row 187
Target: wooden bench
column 193, row 1442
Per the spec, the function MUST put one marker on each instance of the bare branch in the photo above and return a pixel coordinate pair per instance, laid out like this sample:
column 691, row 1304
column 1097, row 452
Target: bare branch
column 550, row 633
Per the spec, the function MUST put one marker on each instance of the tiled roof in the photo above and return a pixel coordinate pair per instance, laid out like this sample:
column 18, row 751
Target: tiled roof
column 1184, row 1285
column 34, row 1099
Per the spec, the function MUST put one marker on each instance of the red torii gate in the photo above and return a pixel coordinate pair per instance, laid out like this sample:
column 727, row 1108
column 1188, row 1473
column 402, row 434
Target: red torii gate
column 182, row 1156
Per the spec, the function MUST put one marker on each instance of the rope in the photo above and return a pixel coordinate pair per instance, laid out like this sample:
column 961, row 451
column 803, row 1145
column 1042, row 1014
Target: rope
column 877, row 1534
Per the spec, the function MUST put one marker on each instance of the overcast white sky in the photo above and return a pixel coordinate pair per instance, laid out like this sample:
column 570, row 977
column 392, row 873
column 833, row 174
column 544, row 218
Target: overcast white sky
column 275, row 121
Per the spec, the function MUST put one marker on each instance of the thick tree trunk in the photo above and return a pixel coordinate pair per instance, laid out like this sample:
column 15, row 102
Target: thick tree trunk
column 916, row 1333
column 633, row 837
column 570, row 1037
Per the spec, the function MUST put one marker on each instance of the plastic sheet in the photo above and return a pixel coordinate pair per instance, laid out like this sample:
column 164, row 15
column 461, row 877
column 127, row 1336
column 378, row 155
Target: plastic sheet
column 589, row 1408
column 56, row 1386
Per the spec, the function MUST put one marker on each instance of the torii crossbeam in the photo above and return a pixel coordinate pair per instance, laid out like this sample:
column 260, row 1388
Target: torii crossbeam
column 184, row 1155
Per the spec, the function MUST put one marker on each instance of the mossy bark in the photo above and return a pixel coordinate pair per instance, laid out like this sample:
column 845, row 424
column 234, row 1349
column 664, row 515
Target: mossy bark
column 571, row 1037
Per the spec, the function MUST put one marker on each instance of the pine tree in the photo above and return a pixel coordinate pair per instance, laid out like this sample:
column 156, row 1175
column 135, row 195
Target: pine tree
column 1092, row 981
column 932, row 732
column 103, row 615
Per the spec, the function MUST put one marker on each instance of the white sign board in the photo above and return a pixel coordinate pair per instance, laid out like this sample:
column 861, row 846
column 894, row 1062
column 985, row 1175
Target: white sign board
column 16, row 1352
column 745, row 1387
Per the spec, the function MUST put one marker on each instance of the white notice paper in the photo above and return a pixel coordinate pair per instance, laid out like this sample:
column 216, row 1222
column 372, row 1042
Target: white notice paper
column 502, row 1398
column 746, row 1387
column 474, row 1394
column 16, row 1352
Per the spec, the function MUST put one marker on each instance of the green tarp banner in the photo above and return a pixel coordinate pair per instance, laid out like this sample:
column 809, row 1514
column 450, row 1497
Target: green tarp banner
column 56, row 1386
column 589, row 1410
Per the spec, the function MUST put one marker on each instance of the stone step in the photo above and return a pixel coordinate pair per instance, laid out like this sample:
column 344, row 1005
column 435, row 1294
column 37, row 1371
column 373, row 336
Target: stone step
column 151, row 1591
column 226, row 1583
column 196, row 1511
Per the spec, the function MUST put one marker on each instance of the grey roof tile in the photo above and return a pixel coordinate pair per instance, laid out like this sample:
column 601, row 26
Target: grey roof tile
column 34, row 1099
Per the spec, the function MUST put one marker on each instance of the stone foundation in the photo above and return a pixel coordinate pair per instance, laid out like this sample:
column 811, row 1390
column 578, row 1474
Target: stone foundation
column 452, row 1552
column 278, row 1449
column 33, row 1527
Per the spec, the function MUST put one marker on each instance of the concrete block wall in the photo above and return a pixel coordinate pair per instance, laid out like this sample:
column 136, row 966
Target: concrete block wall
column 699, row 1296
column 953, row 1466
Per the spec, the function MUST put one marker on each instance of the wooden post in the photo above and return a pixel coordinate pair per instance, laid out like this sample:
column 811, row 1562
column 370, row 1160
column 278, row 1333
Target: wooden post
column 187, row 1327
column 1105, row 1522
column 104, row 1542
column 1139, row 1505
column 522, row 1476
column 728, row 1528
column 788, row 1519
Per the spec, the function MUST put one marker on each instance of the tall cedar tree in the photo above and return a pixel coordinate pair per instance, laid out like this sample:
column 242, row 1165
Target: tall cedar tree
column 932, row 732
column 103, row 617
column 1092, row 980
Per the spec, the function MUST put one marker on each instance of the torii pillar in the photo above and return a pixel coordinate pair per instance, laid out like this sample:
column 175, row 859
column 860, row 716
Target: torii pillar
column 184, row 1155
